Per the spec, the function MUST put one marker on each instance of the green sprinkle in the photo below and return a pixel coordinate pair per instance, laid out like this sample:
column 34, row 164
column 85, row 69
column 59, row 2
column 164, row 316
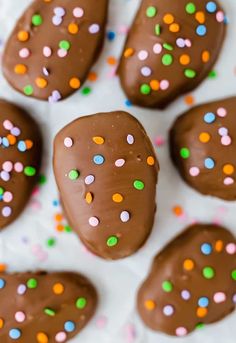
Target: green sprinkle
column 168, row 46
column 112, row 241
column 29, row 171
column 208, row 272
column 185, row 153
column 28, row 90
column 190, row 73
column 81, row 303
column 139, row 185
column 49, row 312
column 212, row 74
column 145, row 89
column 200, row 326
column 158, row 29
column 67, row 228
column 42, row 179
column 167, row 286
column 167, row 59
column 1, row 191
column 74, row 174
column 64, row 44
column 37, row 20
column 233, row 274
column 151, row 11
column 32, row 283
column 86, row 90
column 190, row 8
column 51, row 242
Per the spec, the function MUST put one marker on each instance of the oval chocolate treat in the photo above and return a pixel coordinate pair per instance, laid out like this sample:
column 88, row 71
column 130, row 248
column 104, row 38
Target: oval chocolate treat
column 192, row 282
column 20, row 158
column 203, row 147
column 106, row 170
column 44, row 307
column 170, row 49
column 53, row 47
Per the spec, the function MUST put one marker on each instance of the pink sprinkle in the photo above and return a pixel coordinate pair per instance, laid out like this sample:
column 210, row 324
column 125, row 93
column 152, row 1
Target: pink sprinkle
column 164, row 84
column 6, row 211
column 157, row 48
column 78, row 12
column 24, row 53
column 62, row 53
column 143, row 55
column 7, row 125
column 219, row 297
column 7, row 197
column 231, row 248
column 20, row 317
column 221, row 112
column 7, row 166
column 181, row 331
column 194, row 171
column 94, row 28
column 188, row 43
column 68, row 142
column 93, row 221
column 18, row 166
column 226, row 140
column 119, row 163
column 220, row 16
column 228, row 181
column 60, row 337
column 223, row 131
column 47, row 51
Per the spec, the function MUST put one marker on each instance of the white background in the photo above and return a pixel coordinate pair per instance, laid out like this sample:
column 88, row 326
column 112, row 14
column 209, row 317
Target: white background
column 23, row 244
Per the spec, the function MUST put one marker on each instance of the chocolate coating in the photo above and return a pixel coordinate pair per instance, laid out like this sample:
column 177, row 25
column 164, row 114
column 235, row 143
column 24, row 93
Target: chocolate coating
column 20, row 159
column 44, row 307
column 170, row 49
column 53, row 46
column 192, row 281
column 106, row 170
column 203, row 147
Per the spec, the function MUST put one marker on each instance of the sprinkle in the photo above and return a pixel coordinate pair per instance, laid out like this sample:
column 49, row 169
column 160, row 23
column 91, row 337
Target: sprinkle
column 231, row 248
column 49, row 312
column 94, row 221
column 2, row 283
column 167, row 59
column 29, row 171
column 168, row 310
column 94, row 28
column 150, row 161
column 23, row 36
column 189, row 73
column 201, row 30
column 74, row 174
column 125, row 216
column 21, row 289
column 185, row 153
column 59, row 11
column 150, row 305
column 139, row 185
column 146, row 71
column 41, row 82
column 130, row 139
column 228, row 181
column 42, row 337
column 181, row 331
column 219, row 297
column 226, row 140
column 120, row 163
column 89, row 198
column 58, row 288
column 203, row 302
column 81, row 303
column 117, row 197
column 32, row 283
column 69, row 326
column 145, row 89
column 98, row 140
column 98, row 159
column 206, row 248
column 167, row 286
column 233, row 274
column 73, row 28
column 37, row 20
column 75, row 83
column 65, row 45
column 89, row 179
column 6, row 211
column 60, row 337
column 151, row 11
column 112, row 241
column 209, row 163
column 211, row 7
column 20, row 317
column 68, row 142
column 157, row 48
column 20, row 69
column 201, row 312
column 208, row 272
column 15, row 334
column 185, row 294
column 188, row 265
column 209, row 118
column 143, row 55
column 47, row 51
column 78, row 12
column 28, row 90
column 194, row 171
column 228, row 169
column 190, row 8
column 221, row 112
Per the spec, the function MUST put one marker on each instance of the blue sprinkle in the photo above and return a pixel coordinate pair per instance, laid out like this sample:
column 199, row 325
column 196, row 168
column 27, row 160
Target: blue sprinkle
column 1, row 197
column 211, row 7
column 209, row 117
column 21, row 146
column 203, row 302
column 128, row 103
column 69, row 326
column 98, row 159
column 5, row 142
column 201, row 30
column 2, row 283
column 209, row 163
column 206, row 248
column 111, row 35
column 55, row 203
column 15, row 333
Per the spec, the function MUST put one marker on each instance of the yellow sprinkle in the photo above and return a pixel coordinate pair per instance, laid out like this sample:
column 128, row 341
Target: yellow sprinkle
column 89, row 198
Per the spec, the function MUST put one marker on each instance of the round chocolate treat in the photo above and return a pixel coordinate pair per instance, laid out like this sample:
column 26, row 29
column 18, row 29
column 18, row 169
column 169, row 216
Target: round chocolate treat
column 203, row 147
column 170, row 49
column 20, row 158
column 192, row 282
column 53, row 47
column 106, row 170
column 44, row 307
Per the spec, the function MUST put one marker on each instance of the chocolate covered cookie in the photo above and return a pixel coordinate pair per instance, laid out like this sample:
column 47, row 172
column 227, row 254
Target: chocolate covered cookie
column 170, row 49
column 203, row 147
column 20, row 158
column 44, row 307
column 53, row 47
column 192, row 282
column 106, row 172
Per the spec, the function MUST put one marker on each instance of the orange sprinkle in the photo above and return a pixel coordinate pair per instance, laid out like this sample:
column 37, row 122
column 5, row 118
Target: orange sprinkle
column 73, row 28
column 204, row 137
column 23, row 36
column 150, row 305
column 11, row 139
column 188, row 265
column 117, row 197
column 60, row 227
column 58, row 217
column 200, row 17
column 205, row 56
column 29, row 144
column 128, row 52
column 75, row 83
column 3, row 267
column 99, row 140
column 168, row 18
column 189, row 100
column 155, row 85
column 219, row 246
column 178, row 211
column 150, row 161
column 201, row 312
column 20, row 69
column 228, row 169
column 184, row 59
column 58, row 288
column 41, row 82
column 89, row 198
column 92, row 76
column 174, row 27
column 1, row 323
column 42, row 337
column 111, row 60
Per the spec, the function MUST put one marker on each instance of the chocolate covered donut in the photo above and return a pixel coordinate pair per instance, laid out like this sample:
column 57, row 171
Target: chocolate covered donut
column 192, row 282
column 203, row 147
column 44, row 307
column 20, row 158
column 53, row 47
column 106, row 172
column 170, row 49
